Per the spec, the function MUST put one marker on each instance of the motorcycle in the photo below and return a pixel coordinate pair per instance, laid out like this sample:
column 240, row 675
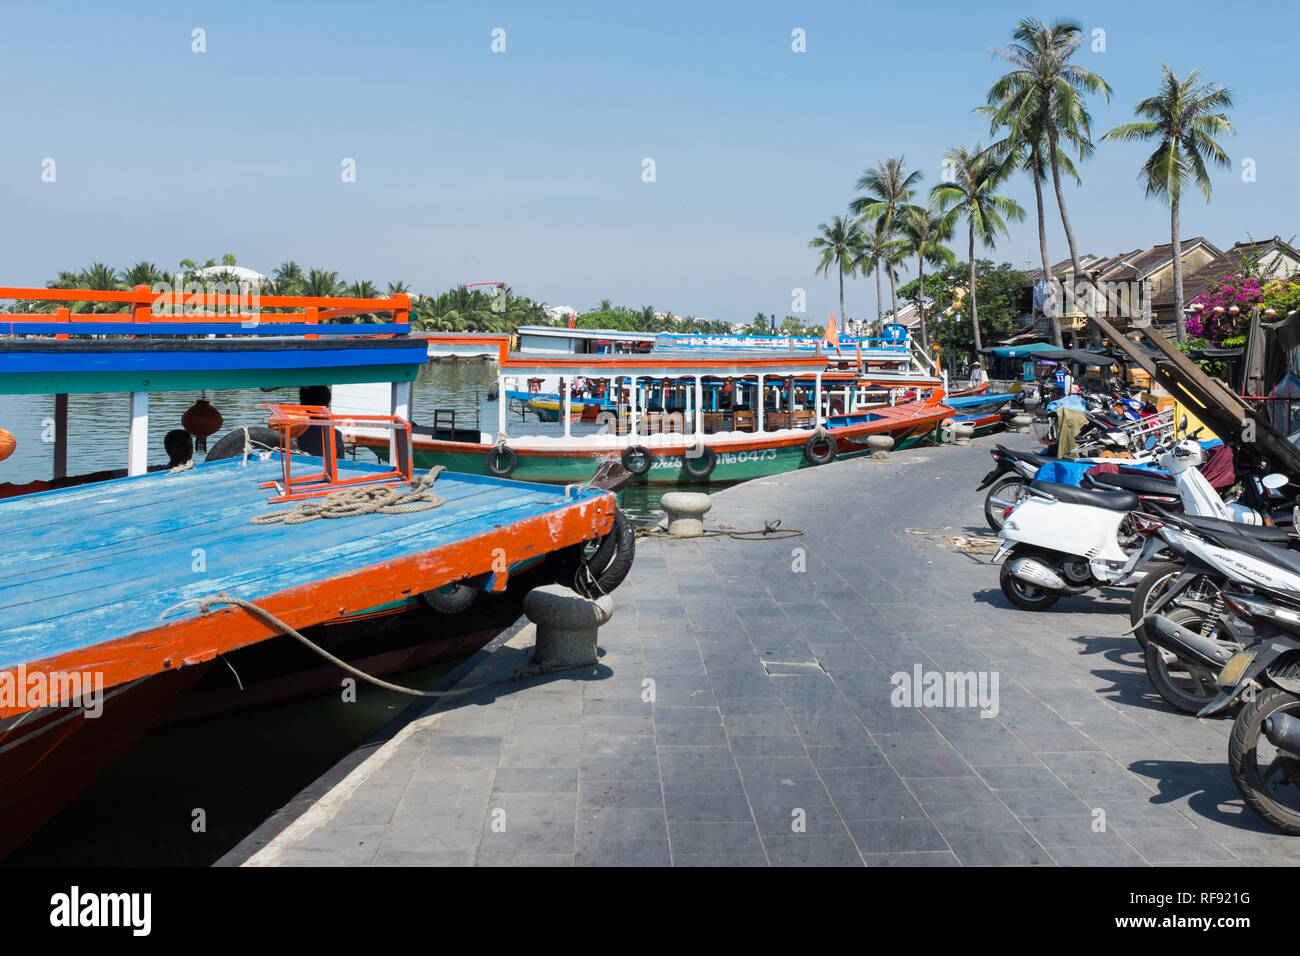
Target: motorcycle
column 1264, row 746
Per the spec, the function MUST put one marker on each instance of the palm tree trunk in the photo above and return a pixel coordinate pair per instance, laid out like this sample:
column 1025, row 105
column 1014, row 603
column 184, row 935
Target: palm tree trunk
column 920, row 304
column 1178, row 268
column 837, row 328
column 893, row 290
column 880, row 302
column 1076, row 268
column 1053, row 320
column 974, row 311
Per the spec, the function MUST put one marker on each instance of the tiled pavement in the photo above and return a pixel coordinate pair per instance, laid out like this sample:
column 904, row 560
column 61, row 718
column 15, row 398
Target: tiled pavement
column 772, row 737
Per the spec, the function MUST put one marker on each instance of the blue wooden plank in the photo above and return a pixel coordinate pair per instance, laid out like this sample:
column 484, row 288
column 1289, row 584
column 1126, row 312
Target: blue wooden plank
column 86, row 593
column 162, row 327
column 199, row 360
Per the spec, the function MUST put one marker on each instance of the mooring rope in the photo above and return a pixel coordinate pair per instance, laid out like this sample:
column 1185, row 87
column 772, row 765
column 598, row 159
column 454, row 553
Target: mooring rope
column 208, row 602
column 372, row 499
column 771, row 531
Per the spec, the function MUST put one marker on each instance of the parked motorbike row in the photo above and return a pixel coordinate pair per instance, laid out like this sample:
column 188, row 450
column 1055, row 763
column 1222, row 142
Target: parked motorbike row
column 1215, row 577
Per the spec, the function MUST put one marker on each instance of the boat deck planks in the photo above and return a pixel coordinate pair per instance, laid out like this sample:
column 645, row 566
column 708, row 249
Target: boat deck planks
column 94, row 564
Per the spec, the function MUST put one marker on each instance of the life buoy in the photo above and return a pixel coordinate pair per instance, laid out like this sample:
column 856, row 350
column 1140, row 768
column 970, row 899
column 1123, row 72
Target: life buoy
column 636, row 459
column 700, row 464
column 494, row 464
column 815, row 457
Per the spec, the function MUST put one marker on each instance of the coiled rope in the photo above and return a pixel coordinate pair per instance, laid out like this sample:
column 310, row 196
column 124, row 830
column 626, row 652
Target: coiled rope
column 374, row 499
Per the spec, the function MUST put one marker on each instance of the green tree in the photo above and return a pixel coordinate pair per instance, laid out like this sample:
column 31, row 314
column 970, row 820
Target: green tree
column 875, row 254
column 321, row 282
column 1185, row 119
column 288, row 278
column 975, row 176
column 888, row 189
column 922, row 233
column 1046, row 91
column 839, row 245
column 1000, row 290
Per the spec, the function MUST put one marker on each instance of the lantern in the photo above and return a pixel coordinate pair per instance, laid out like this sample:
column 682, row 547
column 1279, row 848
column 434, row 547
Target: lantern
column 1218, row 309
column 1233, row 310
column 201, row 420
column 7, row 444
column 1270, row 312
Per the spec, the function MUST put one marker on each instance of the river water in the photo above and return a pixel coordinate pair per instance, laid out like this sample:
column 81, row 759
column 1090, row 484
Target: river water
column 98, row 423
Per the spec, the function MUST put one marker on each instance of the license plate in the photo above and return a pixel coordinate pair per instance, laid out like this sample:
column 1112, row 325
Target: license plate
column 1235, row 667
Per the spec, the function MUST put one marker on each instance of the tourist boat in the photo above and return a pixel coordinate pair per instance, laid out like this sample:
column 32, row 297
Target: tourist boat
column 99, row 635
column 680, row 417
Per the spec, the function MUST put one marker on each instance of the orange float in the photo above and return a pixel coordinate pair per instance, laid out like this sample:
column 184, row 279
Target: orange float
column 7, row 444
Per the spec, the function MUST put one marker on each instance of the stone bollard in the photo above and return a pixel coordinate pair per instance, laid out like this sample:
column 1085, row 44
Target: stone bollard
column 566, row 625
column 880, row 445
column 685, row 511
column 1021, row 422
column 962, row 433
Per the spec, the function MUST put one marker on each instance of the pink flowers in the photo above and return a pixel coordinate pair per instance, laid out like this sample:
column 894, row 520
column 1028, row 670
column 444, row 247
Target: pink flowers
column 1214, row 321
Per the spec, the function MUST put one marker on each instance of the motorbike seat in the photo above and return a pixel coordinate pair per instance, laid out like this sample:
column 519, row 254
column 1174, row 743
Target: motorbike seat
column 1220, row 526
column 1268, row 551
column 1114, row 500
column 1138, row 484
column 1025, row 456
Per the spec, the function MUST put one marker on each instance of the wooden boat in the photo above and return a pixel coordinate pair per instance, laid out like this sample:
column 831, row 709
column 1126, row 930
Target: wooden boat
column 686, row 418
column 97, row 642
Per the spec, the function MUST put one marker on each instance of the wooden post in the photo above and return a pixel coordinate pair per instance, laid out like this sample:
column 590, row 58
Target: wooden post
column 400, row 406
column 137, row 458
column 61, row 432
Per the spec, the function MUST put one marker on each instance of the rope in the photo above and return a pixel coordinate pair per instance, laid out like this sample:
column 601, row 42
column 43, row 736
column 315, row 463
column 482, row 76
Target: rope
column 206, row 603
column 771, row 531
column 375, row 499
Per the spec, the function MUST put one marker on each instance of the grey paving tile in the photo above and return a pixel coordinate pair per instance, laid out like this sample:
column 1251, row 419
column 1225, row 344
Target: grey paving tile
column 714, row 837
column 998, row 849
column 616, row 852
column 924, row 858
column 612, row 792
column 810, row 849
column 896, row 836
column 536, row 780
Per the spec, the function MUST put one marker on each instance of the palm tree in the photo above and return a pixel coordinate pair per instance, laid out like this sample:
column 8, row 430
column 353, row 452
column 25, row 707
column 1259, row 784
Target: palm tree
column 321, row 282
column 889, row 189
column 1045, row 90
column 1026, row 149
column 1185, row 118
column 922, row 233
column 288, row 278
column 398, row 288
column 840, row 244
column 606, row 305
column 143, row 273
column 976, row 174
column 873, row 256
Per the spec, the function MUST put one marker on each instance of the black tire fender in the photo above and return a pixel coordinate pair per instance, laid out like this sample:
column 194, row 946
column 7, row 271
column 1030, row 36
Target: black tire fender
column 231, row 444
column 701, row 464
column 494, row 465
column 449, row 599
column 637, row 459
column 812, row 456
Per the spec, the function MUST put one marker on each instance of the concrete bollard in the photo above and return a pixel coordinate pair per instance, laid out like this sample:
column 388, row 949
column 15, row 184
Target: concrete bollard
column 880, row 446
column 566, row 625
column 962, row 433
column 686, row 510
column 1021, row 422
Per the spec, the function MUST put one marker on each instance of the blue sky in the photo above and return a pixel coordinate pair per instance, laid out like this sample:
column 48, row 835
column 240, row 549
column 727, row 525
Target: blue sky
column 525, row 166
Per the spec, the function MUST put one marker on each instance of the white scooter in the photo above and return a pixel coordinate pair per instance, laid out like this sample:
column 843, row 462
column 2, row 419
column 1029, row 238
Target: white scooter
column 1061, row 540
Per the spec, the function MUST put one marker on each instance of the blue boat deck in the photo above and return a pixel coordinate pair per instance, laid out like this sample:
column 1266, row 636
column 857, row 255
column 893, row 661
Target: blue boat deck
column 94, row 564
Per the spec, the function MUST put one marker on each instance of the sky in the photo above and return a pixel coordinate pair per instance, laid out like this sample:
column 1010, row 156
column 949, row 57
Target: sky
column 528, row 165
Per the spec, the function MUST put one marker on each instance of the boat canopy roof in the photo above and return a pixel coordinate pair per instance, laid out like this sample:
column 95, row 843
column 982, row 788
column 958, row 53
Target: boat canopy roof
column 1019, row 351
column 168, row 342
column 666, row 365
column 1076, row 357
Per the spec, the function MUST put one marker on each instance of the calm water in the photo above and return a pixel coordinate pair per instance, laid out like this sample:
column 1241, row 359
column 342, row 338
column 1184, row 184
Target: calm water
column 98, row 423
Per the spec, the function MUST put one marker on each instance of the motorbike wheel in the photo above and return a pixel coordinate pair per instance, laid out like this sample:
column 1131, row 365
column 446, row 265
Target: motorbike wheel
column 1273, row 793
column 1182, row 687
column 1022, row 594
column 1151, row 588
column 1005, row 493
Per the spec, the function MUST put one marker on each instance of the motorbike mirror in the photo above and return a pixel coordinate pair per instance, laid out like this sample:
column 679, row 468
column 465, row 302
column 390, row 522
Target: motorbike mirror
column 1274, row 481
column 1182, row 424
column 1151, row 442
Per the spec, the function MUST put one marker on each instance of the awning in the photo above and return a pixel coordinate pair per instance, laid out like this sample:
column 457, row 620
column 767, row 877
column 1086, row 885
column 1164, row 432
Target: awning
column 1079, row 356
column 1019, row 351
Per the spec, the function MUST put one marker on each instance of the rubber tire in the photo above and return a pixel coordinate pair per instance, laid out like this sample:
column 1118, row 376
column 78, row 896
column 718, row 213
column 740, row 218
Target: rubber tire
column 1158, row 669
column 814, row 441
column 1011, row 587
column 637, row 453
column 616, row 552
column 1141, row 594
column 611, row 544
column 458, row 599
column 710, row 459
column 493, row 467
column 994, row 515
column 231, row 444
column 1246, row 731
